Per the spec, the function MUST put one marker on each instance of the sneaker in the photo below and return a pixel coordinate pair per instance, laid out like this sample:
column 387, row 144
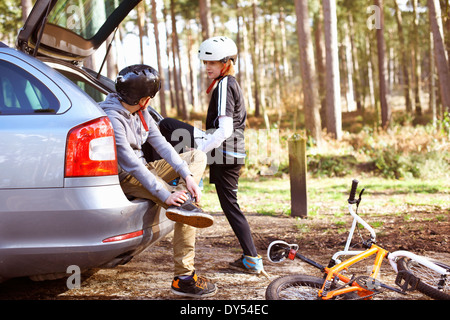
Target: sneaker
column 248, row 264
column 193, row 286
column 189, row 213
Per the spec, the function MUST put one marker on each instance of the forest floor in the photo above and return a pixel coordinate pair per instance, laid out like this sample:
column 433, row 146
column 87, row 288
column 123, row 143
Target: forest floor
column 420, row 228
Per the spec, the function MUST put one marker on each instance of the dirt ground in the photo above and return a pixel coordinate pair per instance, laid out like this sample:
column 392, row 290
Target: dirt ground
column 148, row 275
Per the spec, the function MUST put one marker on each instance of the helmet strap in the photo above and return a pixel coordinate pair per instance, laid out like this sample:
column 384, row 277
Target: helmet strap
column 224, row 70
column 141, row 116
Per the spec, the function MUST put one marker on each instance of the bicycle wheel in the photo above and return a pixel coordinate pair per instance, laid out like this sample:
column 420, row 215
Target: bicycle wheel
column 431, row 283
column 294, row 287
column 298, row 287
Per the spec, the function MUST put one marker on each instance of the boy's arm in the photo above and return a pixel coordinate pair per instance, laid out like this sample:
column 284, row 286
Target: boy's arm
column 226, row 94
column 129, row 162
column 207, row 142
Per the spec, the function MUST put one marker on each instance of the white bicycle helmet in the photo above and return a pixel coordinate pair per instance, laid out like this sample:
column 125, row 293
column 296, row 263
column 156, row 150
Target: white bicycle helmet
column 218, row 49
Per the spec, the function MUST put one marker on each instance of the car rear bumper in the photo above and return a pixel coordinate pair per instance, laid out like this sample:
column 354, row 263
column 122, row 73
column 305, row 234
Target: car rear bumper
column 46, row 231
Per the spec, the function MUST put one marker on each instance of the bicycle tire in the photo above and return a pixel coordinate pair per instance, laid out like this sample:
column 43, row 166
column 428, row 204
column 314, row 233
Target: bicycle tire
column 298, row 287
column 429, row 280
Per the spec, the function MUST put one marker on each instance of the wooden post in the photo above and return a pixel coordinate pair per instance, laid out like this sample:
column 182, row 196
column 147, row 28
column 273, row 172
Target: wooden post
column 297, row 172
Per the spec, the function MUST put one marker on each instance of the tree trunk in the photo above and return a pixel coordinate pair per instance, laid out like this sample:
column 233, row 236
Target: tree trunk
column 247, row 79
column 192, row 71
column 207, row 32
column 177, row 73
column 111, row 63
column 445, row 7
column 310, row 97
column 238, row 41
column 385, row 108
column 276, row 100
column 434, row 9
column 370, row 74
column 262, row 60
column 140, row 22
column 168, row 47
column 162, row 93
column 432, row 83
column 333, row 96
column 255, row 61
column 205, row 18
column 27, row 5
column 406, row 84
column 176, row 83
column 351, row 103
column 320, row 63
column 356, row 71
column 416, row 60
column 284, row 55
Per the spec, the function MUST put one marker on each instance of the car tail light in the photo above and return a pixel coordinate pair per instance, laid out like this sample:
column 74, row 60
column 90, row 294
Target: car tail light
column 91, row 150
column 124, row 236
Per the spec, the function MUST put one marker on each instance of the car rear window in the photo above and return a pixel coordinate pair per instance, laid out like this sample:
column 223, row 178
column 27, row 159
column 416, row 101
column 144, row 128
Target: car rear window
column 83, row 17
column 84, row 85
column 22, row 93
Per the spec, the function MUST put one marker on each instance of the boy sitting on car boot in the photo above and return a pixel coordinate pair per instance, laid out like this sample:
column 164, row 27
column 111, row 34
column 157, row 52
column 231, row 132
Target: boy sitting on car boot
column 133, row 126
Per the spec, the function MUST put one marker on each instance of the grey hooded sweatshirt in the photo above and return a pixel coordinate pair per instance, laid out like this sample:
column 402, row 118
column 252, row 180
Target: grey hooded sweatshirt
column 130, row 136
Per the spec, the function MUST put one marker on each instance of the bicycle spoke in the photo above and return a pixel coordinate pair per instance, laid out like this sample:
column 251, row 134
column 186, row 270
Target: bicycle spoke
column 298, row 292
column 430, row 277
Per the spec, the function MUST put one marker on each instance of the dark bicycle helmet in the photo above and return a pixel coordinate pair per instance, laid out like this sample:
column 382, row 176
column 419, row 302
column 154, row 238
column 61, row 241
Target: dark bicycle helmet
column 136, row 82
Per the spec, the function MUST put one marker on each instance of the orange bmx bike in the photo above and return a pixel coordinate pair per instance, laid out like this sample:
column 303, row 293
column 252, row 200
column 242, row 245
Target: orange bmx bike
column 413, row 272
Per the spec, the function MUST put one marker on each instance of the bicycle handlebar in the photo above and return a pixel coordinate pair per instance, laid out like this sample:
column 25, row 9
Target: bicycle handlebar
column 351, row 199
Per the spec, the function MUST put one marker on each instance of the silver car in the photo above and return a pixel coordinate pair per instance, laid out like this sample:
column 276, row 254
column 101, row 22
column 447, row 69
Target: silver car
column 61, row 203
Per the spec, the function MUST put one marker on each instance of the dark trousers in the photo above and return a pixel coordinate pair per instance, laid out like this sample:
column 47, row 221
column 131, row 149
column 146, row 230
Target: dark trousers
column 225, row 177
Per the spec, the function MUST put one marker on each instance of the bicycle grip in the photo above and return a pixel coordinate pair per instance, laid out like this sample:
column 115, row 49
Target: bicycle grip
column 351, row 199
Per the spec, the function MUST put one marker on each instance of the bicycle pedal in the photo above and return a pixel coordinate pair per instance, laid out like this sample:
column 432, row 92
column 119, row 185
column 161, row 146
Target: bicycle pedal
column 406, row 281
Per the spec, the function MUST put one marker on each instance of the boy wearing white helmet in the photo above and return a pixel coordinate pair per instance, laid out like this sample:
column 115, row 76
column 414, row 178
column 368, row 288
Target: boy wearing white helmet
column 224, row 141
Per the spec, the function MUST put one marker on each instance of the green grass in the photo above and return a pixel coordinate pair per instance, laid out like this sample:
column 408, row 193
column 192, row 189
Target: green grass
column 271, row 196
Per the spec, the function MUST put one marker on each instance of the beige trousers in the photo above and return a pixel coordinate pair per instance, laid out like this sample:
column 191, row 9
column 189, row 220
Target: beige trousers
column 184, row 235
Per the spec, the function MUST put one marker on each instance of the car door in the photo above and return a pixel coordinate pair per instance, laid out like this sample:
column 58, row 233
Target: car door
column 32, row 139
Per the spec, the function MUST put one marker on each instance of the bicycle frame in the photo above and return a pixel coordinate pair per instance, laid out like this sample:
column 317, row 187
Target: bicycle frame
column 391, row 256
column 422, row 260
column 356, row 219
column 351, row 286
column 334, row 271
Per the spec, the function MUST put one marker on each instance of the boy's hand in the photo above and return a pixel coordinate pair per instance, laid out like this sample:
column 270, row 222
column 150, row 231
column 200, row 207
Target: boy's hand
column 193, row 188
column 177, row 198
